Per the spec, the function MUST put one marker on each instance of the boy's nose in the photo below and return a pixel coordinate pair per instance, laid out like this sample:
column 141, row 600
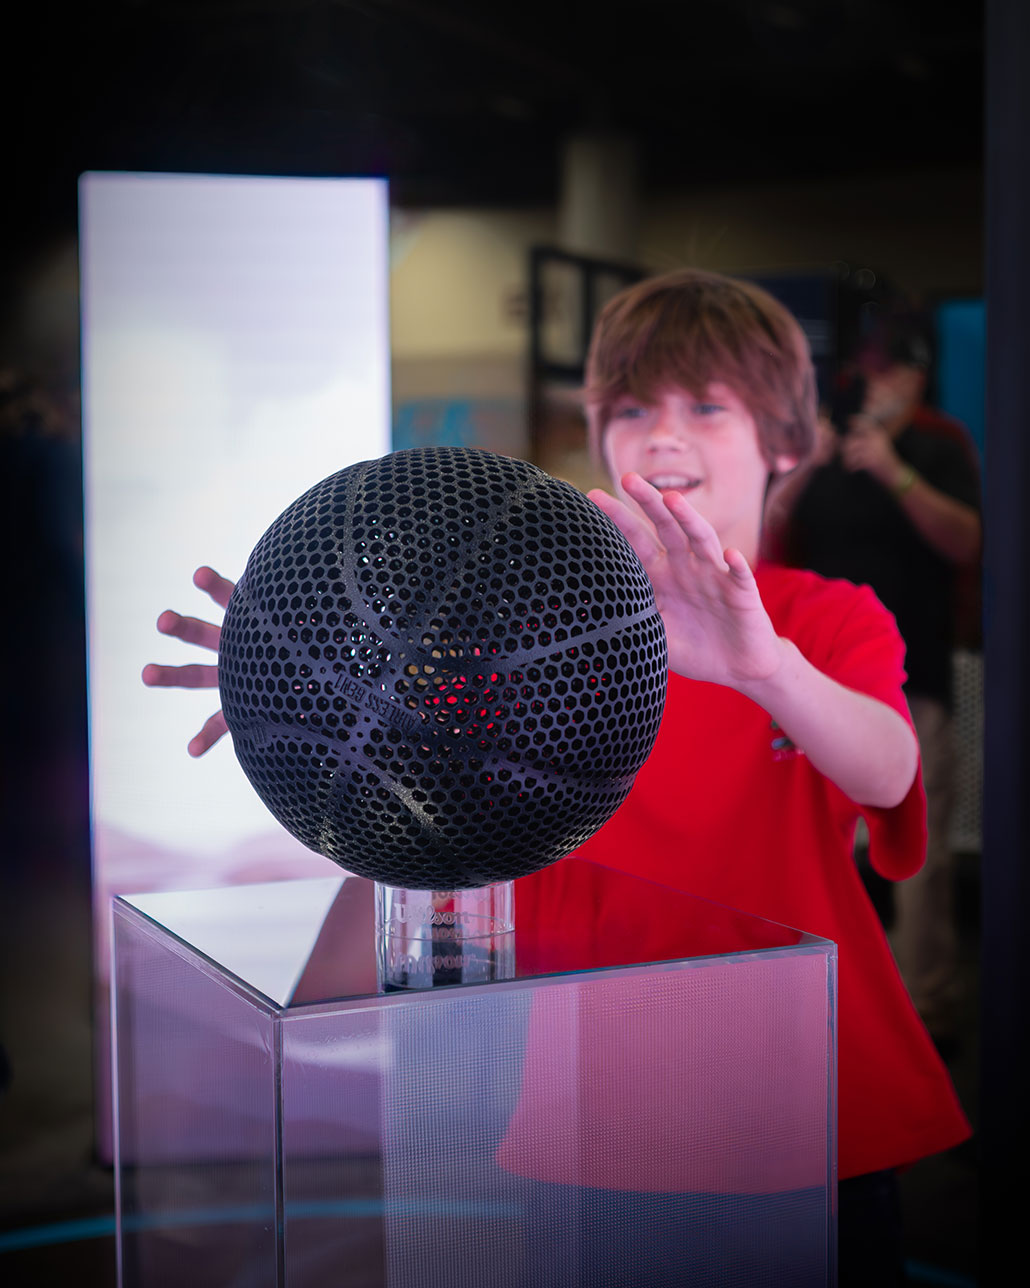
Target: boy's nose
column 667, row 427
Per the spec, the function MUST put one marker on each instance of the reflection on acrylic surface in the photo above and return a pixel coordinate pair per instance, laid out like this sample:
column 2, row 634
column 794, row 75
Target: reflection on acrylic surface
column 588, row 1121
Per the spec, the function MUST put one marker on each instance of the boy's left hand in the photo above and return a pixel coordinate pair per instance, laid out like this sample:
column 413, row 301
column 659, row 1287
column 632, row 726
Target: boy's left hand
column 716, row 625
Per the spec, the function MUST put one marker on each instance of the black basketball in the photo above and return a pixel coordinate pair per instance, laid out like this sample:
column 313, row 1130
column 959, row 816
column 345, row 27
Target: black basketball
column 442, row 668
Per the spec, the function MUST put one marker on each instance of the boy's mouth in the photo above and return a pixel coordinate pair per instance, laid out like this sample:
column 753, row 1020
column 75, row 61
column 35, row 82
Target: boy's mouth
column 673, row 482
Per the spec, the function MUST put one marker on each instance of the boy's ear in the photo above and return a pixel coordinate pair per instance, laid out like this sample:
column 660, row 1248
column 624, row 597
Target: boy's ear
column 783, row 463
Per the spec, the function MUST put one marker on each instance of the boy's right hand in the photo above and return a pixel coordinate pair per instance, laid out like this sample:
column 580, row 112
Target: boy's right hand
column 716, row 626
column 192, row 630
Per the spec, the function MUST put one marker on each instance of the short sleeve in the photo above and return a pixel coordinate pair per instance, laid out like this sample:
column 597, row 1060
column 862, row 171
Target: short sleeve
column 862, row 647
column 858, row 644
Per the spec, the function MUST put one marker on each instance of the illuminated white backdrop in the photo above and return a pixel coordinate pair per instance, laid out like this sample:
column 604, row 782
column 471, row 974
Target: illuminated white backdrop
column 235, row 351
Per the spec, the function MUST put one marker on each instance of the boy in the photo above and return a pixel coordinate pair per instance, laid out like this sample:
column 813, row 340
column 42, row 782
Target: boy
column 785, row 718
column 700, row 391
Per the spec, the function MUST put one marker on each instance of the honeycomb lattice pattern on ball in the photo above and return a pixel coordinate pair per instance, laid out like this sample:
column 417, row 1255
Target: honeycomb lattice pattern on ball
column 442, row 668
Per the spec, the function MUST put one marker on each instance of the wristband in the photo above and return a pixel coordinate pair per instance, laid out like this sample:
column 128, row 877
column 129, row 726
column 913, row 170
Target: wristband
column 906, row 481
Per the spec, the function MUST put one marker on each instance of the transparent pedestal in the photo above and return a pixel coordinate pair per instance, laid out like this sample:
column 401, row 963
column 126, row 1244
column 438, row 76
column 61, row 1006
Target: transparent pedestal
column 648, row 1099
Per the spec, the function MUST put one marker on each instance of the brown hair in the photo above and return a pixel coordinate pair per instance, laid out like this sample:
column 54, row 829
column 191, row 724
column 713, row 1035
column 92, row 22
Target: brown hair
column 690, row 328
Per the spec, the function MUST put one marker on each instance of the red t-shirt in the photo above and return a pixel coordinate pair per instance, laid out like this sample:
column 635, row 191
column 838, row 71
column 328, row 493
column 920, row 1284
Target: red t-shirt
column 727, row 809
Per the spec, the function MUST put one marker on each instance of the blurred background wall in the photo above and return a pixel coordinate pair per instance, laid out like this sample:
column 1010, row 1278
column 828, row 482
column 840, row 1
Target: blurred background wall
column 459, row 289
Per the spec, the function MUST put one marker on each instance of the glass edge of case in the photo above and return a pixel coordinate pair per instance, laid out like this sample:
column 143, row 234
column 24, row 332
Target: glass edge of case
column 122, row 905
column 360, row 1001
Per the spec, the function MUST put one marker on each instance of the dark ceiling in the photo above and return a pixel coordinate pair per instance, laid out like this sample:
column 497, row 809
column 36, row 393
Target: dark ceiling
column 463, row 102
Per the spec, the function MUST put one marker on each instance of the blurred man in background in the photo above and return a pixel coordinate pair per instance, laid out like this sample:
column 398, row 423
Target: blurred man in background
column 892, row 500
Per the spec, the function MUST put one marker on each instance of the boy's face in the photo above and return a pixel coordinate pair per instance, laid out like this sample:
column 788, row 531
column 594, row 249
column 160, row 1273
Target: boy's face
column 707, row 448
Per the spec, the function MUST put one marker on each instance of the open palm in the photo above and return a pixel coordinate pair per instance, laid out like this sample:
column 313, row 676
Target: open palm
column 715, row 622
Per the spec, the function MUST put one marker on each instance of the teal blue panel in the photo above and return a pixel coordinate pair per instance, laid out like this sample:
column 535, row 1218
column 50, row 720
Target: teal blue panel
column 961, row 333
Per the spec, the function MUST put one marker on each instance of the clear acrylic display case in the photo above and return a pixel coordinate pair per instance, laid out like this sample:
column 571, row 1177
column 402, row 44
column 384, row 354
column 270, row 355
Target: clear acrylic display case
column 648, row 1099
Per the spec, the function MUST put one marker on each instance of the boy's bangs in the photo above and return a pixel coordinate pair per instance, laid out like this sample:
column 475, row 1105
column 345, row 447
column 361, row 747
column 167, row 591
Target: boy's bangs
column 692, row 329
column 673, row 346
column 690, row 369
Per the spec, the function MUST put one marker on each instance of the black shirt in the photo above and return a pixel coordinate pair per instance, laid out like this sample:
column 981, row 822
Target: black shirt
column 848, row 525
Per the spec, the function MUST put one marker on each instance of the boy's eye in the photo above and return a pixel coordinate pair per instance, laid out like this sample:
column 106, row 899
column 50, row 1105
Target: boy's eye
column 629, row 411
column 707, row 409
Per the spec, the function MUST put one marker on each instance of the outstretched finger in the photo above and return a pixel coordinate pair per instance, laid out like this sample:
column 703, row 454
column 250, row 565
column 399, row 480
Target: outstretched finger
column 704, row 541
column 738, row 566
column 637, row 531
column 213, row 584
column 191, row 630
column 192, row 676
column 653, row 503
column 214, row 727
